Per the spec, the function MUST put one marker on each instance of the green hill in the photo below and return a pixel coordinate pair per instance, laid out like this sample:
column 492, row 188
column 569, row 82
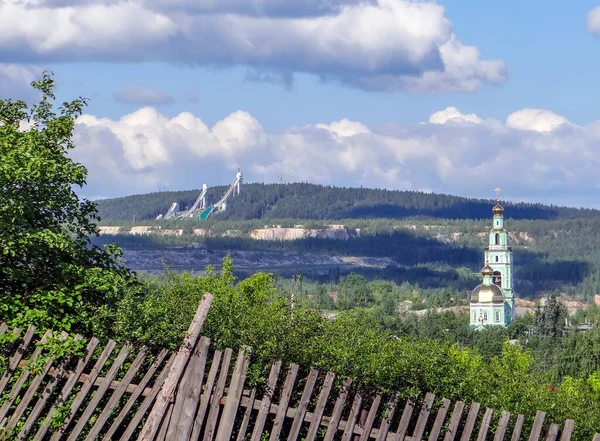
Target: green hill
column 310, row 201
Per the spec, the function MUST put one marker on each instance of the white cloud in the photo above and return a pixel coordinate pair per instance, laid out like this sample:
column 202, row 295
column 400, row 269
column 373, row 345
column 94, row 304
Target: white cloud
column 453, row 115
column 146, row 151
column 593, row 21
column 131, row 94
column 345, row 128
column 375, row 45
column 539, row 120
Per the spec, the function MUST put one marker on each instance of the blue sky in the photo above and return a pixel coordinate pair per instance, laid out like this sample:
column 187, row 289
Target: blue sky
column 336, row 92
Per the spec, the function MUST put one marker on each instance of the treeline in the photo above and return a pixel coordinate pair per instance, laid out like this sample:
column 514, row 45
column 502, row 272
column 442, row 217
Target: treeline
column 310, row 201
column 565, row 259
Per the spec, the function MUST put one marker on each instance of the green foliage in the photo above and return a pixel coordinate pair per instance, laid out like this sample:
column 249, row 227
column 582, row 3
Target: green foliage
column 354, row 293
column 310, row 201
column 50, row 275
column 436, row 352
column 549, row 319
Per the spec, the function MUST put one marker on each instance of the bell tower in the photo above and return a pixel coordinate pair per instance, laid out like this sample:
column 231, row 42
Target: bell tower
column 498, row 255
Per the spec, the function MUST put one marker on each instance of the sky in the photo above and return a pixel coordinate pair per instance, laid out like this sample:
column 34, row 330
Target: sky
column 450, row 96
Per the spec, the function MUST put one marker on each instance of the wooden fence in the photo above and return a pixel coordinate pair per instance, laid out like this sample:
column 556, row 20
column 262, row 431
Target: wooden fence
column 198, row 393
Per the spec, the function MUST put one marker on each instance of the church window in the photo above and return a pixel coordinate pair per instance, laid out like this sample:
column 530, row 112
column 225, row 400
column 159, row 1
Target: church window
column 496, row 258
column 497, row 239
column 497, row 316
column 485, row 316
column 498, row 278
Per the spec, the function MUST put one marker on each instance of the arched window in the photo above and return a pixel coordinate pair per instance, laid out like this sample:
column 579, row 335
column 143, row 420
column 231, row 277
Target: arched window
column 497, row 316
column 485, row 316
column 498, row 278
column 497, row 239
column 496, row 258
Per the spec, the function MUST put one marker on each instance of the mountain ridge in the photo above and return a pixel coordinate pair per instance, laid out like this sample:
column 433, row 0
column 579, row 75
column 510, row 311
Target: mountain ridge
column 319, row 202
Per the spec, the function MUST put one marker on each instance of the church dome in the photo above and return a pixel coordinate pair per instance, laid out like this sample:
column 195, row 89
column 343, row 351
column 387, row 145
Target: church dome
column 498, row 209
column 487, row 271
column 487, row 294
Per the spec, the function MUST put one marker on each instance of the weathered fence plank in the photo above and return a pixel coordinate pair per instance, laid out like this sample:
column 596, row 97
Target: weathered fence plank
column 501, row 427
column 263, row 411
column 164, row 425
column 205, row 397
column 181, row 359
column 99, row 393
column 236, row 387
column 284, row 400
column 116, row 396
column 135, row 395
column 137, row 418
column 384, row 427
column 41, row 403
column 31, row 390
column 518, row 428
column 405, row 420
column 485, row 424
column 536, row 429
column 423, row 417
column 215, row 404
column 244, row 426
column 67, row 388
column 320, row 407
column 470, row 423
column 337, row 411
column 459, row 406
column 302, row 405
column 553, row 433
column 370, row 418
column 188, row 394
column 14, row 392
column 567, row 430
column 108, row 349
column 351, row 422
column 13, row 361
column 439, row 420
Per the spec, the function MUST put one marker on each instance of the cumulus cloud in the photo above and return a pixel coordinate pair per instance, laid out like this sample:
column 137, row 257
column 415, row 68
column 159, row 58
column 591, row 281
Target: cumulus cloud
column 452, row 114
column 593, row 21
column 528, row 155
column 131, row 94
column 374, row 45
column 539, row 120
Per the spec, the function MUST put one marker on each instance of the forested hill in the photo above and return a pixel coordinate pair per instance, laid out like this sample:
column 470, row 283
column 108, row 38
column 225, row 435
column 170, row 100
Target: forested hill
column 310, row 201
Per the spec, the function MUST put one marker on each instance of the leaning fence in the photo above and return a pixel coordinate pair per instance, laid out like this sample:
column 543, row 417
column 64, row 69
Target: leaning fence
column 115, row 392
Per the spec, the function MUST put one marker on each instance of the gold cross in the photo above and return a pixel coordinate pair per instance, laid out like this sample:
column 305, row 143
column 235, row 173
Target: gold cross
column 497, row 190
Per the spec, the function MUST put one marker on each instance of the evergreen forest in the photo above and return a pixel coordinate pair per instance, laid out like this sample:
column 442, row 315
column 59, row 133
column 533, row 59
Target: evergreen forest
column 311, row 201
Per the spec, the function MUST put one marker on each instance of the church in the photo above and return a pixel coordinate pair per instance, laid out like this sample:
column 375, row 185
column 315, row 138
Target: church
column 492, row 302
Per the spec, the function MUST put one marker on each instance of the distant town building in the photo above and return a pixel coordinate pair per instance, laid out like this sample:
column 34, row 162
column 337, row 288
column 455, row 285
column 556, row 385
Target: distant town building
column 492, row 302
